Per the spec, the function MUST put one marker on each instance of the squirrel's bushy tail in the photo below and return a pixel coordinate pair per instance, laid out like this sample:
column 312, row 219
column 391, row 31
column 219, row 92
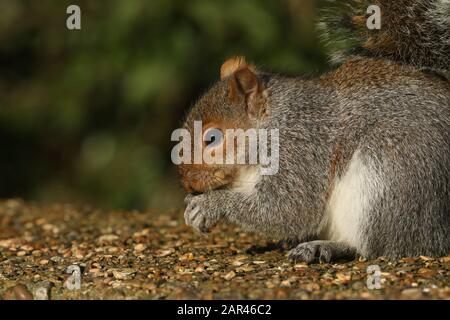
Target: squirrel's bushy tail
column 415, row 32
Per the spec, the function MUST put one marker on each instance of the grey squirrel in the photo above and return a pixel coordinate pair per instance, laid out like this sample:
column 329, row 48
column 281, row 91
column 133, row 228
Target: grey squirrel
column 364, row 153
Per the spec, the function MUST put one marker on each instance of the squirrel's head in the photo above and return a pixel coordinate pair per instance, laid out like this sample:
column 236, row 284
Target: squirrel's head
column 237, row 101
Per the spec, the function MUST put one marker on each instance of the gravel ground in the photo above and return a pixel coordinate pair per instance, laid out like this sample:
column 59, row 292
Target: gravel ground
column 142, row 255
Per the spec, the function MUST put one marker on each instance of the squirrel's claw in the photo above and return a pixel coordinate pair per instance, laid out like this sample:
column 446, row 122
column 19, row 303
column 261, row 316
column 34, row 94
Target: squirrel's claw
column 197, row 215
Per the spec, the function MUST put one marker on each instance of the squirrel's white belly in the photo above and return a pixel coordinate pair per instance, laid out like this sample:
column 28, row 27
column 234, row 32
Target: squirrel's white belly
column 350, row 202
column 247, row 179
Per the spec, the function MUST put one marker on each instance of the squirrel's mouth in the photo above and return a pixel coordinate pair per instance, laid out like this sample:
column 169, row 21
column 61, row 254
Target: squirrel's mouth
column 196, row 181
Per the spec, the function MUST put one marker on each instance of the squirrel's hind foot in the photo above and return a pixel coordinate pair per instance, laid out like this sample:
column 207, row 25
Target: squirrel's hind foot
column 323, row 251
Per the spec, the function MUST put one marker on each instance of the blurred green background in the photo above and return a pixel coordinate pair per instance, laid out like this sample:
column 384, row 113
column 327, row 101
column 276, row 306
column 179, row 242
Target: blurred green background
column 86, row 116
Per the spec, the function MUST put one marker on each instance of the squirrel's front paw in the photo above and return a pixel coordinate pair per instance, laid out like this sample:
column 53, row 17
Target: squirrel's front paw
column 199, row 214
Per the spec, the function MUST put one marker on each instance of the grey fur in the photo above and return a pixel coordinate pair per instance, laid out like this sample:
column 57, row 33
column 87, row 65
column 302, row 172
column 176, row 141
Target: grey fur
column 395, row 116
column 402, row 127
column 420, row 30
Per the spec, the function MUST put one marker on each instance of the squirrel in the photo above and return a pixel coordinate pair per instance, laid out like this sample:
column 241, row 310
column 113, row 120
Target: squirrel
column 364, row 150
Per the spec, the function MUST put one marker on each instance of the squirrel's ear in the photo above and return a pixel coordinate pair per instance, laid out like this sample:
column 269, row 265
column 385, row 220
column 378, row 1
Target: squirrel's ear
column 232, row 65
column 244, row 82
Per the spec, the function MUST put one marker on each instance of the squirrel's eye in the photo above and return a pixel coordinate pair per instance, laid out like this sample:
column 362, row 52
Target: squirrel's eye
column 212, row 137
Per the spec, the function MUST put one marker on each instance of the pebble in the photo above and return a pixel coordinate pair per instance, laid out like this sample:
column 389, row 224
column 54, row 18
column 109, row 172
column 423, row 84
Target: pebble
column 239, row 261
column 427, row 273
column 230, row 275
column 342, row 277
column 123, row 274
column 245, row 268
column 108, row 238
column 142, row 233
column 78, row 253
column 56, row 259
column 412, row 293
column 286, row 283
column 199, row 269
column 36, row 253
column 26, row 247
column 140, row 247
column 96, row 272
column 149, row 286
column 425, row 258
column 187, row 257
column 165, row 253
column 50, row 227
